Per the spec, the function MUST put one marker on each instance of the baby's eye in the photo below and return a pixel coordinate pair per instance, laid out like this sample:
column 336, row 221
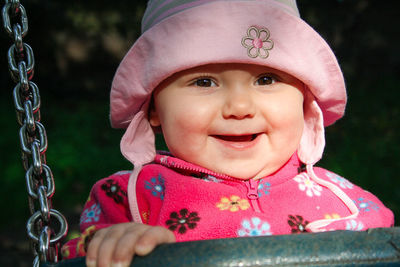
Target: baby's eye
column 266, row 80
column 204, row 82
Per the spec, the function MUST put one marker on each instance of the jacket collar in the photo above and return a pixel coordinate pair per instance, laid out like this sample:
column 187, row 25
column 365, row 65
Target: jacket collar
column 290, row 169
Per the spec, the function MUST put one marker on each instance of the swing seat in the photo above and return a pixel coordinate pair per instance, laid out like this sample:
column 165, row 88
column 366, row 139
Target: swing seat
column 375, row 247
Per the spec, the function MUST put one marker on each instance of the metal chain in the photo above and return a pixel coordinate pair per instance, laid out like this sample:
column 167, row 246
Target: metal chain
column 39, row 178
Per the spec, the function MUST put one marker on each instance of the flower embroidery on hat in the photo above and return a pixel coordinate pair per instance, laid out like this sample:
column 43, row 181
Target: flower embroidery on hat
column 257, row 42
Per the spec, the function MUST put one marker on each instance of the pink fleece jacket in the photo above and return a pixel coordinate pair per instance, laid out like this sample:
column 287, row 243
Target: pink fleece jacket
column 196, row 203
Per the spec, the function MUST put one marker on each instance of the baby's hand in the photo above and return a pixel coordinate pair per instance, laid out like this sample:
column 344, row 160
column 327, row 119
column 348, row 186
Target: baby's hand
column 116, row 245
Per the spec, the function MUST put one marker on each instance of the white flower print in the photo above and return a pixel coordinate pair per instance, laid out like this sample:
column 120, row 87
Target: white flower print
column 306, row 184
column 354, row 225
column 254, row 227
column 342, row 182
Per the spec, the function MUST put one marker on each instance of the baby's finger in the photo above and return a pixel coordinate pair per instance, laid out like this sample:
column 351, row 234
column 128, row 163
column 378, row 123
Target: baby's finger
column 106, row 249
column 101, row 248
column 91, row 254
column 151, row 238
column 125, row 248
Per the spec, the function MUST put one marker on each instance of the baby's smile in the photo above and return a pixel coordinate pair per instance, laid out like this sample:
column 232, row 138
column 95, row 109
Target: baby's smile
column 244, row 141
column 237, row 138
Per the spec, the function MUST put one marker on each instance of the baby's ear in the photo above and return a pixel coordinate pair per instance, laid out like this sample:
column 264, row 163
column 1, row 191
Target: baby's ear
column 154, row 120
column 153, row 117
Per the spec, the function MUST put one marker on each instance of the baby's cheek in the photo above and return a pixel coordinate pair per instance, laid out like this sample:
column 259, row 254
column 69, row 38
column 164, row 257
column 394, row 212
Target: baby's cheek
column 193, row 120
column 287, row 115
column 181, row 131
column 287, row 130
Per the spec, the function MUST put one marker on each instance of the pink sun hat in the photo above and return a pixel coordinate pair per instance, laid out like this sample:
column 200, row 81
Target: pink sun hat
column 182, row 34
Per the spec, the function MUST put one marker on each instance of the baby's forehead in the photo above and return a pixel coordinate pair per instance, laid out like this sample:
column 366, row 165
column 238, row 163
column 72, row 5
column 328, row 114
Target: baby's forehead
column 219, row 68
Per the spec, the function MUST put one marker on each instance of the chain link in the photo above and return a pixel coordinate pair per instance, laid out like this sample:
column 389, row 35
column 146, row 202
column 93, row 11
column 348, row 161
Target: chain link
column 39, row 178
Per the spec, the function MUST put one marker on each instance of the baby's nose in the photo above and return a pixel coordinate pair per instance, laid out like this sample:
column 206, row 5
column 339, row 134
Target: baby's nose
column 239, row 104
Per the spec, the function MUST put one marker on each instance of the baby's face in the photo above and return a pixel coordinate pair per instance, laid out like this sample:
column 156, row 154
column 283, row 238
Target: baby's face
column 242, row 120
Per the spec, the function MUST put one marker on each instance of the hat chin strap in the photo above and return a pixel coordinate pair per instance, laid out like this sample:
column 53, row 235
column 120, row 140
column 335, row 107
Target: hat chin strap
column 310, row 151
column 320, row 225
column 137, row 145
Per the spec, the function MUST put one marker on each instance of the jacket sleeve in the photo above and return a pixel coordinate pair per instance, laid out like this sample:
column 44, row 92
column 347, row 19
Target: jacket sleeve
column 372, row 212
column 107, row 205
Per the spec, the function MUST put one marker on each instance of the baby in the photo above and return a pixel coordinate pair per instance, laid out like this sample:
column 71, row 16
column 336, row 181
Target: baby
column 241, row 92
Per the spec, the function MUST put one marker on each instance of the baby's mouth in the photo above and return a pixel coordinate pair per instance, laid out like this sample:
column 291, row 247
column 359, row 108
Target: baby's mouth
column 237, row 138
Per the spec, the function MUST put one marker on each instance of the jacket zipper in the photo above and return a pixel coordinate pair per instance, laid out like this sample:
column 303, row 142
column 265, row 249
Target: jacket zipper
column 252, row 193
column 251, row 184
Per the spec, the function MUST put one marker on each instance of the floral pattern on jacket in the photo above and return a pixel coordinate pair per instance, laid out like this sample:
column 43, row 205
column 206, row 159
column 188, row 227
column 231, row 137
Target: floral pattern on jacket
column 195, row 203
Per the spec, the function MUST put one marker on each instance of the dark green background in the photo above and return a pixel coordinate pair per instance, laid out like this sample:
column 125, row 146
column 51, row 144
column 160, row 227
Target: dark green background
column 78, row 46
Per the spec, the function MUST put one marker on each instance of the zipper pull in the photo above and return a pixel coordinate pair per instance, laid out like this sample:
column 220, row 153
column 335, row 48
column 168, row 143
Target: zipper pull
column 252, row 193
column 252, row 189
